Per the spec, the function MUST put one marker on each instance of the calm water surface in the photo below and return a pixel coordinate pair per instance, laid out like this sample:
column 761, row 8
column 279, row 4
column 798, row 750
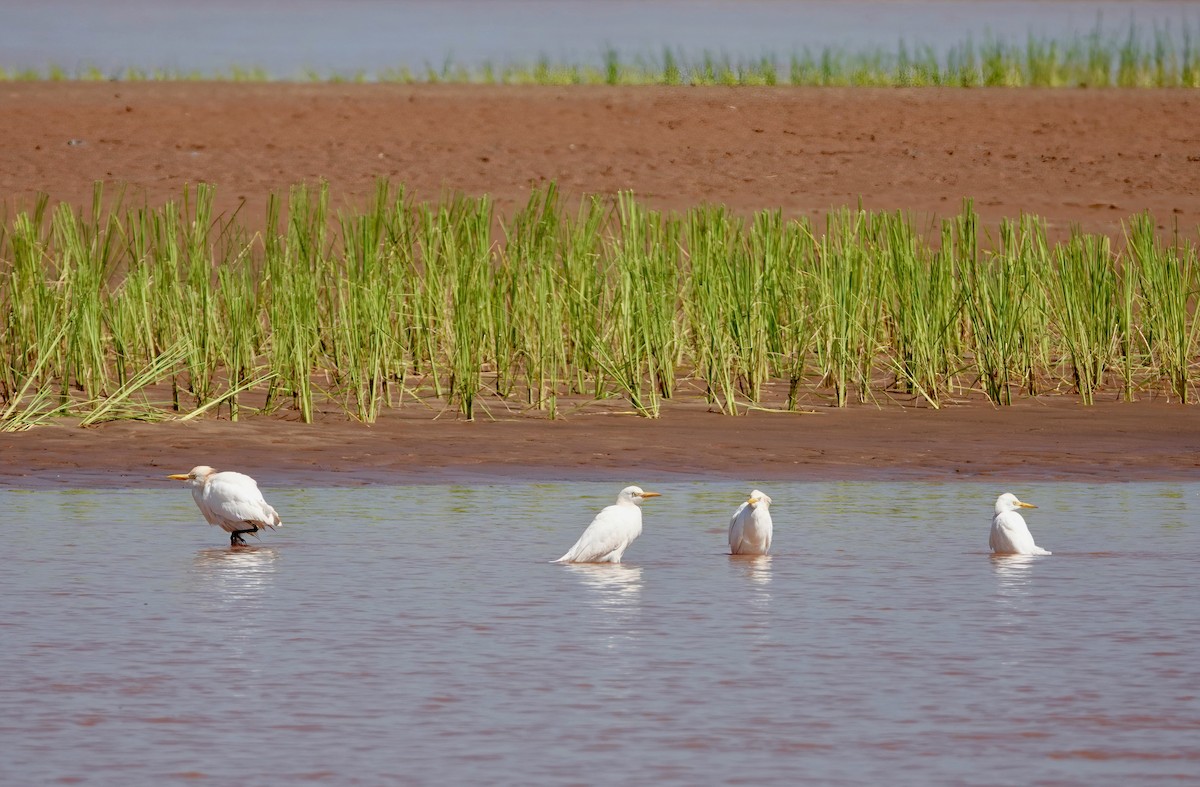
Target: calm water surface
column 416, row 634
column 286, row 37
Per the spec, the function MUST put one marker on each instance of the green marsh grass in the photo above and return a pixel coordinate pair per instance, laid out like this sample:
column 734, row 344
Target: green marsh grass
column 1083, row 291
column 712, row 304
column 1169, row 282
column 33, row 402
column 998, row 293
column 847, row 289
column 173, row 312
column 924, row 307
column 1161, row 56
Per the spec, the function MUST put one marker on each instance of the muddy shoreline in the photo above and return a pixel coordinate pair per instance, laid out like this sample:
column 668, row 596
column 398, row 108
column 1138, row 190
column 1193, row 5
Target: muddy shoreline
column 1086, row 158
column 1045, row 440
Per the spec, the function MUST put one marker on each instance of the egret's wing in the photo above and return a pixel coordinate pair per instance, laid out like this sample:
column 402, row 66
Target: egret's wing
column 767, row 527
column 1011, row 534
column 996, row 540
column 736, row 525
column 236, row 498
column 210, row 516
column 612, row 529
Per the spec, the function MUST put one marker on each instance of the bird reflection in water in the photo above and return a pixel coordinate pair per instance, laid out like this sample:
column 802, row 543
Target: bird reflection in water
column 1014, row 604
column 234, row 588
column 1015, row 575
column 756, row 568
column 616, row 585
column 1015, row 572
column 615, row 591
column 241, row 575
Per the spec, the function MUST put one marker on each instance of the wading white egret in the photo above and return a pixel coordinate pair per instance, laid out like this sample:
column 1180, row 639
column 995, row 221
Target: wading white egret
column 750, row 528
column 231, row 501
column 1010, row 534
column 612, row 531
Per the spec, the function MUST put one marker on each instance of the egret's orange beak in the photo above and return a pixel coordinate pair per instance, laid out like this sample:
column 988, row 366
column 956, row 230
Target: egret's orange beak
column 179, row 477
column 651, row 494
column 753, row 500
column 1026, row 505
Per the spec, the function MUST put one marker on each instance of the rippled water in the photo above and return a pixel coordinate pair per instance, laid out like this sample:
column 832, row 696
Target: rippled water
column 416, row 634
column 288, row 36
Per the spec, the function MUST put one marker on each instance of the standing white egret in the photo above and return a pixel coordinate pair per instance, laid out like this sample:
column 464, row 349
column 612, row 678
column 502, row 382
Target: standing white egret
column 612, row 531
column 229, row 500
column 1010, row 534
column 750, row 528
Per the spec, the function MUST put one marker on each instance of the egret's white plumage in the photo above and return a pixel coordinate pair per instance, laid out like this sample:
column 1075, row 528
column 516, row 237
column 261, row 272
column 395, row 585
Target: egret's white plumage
column 612, row 531
column 1010, row 534
column 750, row 528
column 231, row 501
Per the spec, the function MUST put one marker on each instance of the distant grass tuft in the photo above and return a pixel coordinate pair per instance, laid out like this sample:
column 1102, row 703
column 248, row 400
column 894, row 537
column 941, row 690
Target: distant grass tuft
column 1136, row 58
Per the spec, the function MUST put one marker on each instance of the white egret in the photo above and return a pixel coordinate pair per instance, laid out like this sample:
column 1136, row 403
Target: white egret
column 612, row 531
column 231, row 501
column 1010, row 534
column 750, row 528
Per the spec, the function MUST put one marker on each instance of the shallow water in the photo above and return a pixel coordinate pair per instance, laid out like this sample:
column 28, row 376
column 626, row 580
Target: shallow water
column 417, row 634
column 286, row 37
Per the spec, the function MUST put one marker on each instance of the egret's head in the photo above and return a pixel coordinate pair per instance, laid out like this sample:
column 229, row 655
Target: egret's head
column 1009, row 502
column 635, row 495
column 197, row 475
column 759, row 499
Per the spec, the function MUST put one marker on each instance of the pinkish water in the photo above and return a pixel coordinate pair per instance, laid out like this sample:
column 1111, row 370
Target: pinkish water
column 418, row 635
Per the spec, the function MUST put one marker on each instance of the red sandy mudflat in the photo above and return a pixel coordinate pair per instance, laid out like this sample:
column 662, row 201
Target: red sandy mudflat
column 1031, row 441
column 1084, row 157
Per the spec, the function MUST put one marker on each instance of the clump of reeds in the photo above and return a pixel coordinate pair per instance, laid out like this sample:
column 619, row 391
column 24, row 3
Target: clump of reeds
column 111, row 312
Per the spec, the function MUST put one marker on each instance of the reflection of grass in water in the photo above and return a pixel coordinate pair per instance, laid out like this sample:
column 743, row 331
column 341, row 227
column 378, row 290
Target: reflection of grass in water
column 116, row 313
column 1160, row 58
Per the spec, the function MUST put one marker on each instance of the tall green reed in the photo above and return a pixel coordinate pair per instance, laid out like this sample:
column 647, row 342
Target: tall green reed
column 84, row 245
column 1083, row 292
column 32, row 303
column 372, row 278
column 461, row 261
column 198, row 307
column 294, row 266
column 530, row 309
column 716, row 251
column 447, row 302
column 642, row 342
column 582, row 281
column 846, row 299
column 923, row 305
column 995, row 296
column 1168, row 281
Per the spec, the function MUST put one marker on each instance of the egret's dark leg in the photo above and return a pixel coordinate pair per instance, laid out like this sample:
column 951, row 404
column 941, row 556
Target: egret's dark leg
column 235, row 537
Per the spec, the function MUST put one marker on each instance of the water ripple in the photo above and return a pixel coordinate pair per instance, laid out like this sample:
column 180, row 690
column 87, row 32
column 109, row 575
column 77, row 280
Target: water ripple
column 418, row 635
